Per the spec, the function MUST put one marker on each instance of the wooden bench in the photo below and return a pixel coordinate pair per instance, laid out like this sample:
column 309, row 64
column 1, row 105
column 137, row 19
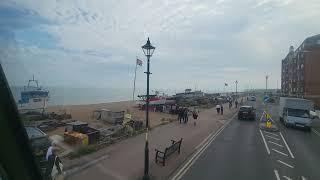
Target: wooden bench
column 162, row 156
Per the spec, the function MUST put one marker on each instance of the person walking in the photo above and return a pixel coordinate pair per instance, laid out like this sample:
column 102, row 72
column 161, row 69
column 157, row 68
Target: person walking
column 54, row 169
column 218, row 108
column 49, row 151
column 236, row 103
column 195, row 117
column 186, row 118
column 180, row 114
column 230, row 104
column 221, row 109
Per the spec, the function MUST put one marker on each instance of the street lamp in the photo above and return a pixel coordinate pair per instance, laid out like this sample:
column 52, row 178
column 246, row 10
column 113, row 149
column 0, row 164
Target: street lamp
column 148, row 50
column 236, row 88
column 267, row 76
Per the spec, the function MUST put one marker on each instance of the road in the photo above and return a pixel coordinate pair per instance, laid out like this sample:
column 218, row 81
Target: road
column 243, row 151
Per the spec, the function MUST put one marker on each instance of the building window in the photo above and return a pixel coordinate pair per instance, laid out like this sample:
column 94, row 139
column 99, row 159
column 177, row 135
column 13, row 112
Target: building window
column 37, row 100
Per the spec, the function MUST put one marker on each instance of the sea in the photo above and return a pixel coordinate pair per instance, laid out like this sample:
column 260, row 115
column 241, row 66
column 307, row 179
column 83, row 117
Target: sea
column 76, row 96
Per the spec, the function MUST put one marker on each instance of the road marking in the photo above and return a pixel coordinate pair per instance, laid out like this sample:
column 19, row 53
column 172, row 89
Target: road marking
column 199, row 145
column 280, row 152
column 271, row 133
column 265, row 143
column 285, row 142
column 196, row 155
column 287, row 177
column 285, row 164
column 272, row 137
column 303, row 178
column 277, row 174
column 316, row 132
column 275, row 143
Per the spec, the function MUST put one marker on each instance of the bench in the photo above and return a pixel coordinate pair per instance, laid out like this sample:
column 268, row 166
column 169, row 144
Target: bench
column 162, row 156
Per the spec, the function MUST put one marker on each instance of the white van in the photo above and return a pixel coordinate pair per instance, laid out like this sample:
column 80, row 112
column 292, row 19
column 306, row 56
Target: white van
column 295, row 112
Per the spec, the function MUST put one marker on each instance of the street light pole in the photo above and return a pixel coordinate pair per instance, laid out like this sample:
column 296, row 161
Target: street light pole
column 267, row 83
column 148, row 50
column 236, row 88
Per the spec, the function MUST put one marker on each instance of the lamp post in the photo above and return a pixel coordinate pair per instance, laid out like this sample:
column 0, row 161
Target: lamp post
column 236, row 88
column 267, row 76
column 148, row 50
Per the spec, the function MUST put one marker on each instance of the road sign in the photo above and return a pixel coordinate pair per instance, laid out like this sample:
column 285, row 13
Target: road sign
column 268, row 124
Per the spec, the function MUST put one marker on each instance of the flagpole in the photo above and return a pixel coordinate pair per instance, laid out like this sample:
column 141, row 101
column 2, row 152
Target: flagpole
column 134, row 81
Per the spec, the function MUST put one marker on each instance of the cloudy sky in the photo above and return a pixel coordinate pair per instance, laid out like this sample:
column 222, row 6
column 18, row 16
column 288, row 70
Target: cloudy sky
column 199, row 43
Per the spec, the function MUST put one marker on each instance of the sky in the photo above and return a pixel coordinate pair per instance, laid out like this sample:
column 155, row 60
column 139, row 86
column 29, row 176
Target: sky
column 199, row 44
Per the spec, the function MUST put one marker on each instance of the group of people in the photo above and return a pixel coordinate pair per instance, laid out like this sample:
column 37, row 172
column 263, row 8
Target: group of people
column 54, row 168
column 183, row 115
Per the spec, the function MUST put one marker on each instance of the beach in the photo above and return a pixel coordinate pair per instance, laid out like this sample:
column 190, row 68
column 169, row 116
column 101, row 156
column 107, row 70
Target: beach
column 85, row 112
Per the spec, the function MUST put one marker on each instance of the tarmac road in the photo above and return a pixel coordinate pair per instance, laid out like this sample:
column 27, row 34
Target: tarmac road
column 243, row 152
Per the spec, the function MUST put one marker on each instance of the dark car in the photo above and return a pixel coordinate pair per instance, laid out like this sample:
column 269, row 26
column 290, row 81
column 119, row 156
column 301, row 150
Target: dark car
column 247, row 112
column 39, row 141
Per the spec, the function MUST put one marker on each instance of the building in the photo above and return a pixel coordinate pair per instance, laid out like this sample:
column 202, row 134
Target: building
column 300, row 71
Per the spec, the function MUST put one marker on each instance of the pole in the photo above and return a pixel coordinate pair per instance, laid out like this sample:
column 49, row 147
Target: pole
column 146, row 150
column 134, row 81
column 236, row 88
column 267, row 83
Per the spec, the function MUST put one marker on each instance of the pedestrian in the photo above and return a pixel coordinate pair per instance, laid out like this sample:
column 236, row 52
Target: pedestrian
column 49, row 151
column 195, row 117
column 236, row 103
column 218, row 108
column 180, row 114
column 221, row 109
column 54, row 169
column 230, row 104
column 185, row 115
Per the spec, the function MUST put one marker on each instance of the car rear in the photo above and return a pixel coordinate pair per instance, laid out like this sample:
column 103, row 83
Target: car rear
column 246, row 112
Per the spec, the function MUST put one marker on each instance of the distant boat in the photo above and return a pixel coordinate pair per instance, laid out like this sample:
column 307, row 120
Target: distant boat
column 33, row 98
column 156, row 99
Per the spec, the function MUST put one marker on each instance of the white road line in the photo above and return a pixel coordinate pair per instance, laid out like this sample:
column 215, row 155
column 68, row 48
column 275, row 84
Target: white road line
column 196, row 155
column 272, row 137
column 316, row 132
column 265, row 143
column 280, row 152
column 275, row 143
column 199, row 145
column 285, row 142
column 303, row 178
column 277, row 174
column 270, row 133
column 287, row 177
column 285, row 164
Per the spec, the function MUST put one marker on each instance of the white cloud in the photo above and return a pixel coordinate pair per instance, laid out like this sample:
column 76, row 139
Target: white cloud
column 207, row 41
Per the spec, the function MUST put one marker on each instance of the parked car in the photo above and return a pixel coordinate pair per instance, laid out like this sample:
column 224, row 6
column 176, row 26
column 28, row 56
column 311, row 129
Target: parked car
column 247, row 112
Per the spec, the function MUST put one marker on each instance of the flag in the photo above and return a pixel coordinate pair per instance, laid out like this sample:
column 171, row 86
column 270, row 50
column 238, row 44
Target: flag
column 225, row 84
column 139, row 62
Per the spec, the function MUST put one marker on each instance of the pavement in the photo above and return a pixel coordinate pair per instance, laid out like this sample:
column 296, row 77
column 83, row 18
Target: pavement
column 125, row 159
column 244, row 151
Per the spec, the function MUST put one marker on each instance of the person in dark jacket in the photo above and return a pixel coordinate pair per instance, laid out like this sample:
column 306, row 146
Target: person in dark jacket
column 185, row 115
column 180, row 114
column 195, row 117
column 53, row 160
column 221, row 109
